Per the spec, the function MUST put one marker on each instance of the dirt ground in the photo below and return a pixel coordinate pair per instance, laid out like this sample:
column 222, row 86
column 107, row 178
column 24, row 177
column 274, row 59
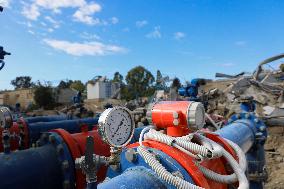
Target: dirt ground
column 274, row 149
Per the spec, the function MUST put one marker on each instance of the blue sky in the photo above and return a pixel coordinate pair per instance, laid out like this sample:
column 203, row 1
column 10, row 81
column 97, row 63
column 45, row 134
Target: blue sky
column 53, row 40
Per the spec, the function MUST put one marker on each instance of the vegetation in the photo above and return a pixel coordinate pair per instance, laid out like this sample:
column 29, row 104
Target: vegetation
column 139, row 83
column 22, row 82
column 117, row 78
column 43, row 96
column 64, row 84
column 78, row 86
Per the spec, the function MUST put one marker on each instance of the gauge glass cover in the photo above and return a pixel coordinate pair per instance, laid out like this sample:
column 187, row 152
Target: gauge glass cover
column 117, row 126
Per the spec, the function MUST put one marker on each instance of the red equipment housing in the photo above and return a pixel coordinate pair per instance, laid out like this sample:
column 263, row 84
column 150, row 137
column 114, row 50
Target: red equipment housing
column 178, row 117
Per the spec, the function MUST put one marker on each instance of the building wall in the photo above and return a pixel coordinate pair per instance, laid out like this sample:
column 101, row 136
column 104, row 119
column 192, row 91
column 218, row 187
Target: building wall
column 23, row 96
column 101, row 89
column 26, row 97
column 1, row 99
column 65, row 96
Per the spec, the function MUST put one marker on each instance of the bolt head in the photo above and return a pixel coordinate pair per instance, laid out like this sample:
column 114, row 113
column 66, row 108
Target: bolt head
column 262, row 128
column 66, row 184
column 247, row 116
column 130, row 155
column 175, row 122
column 115, row 167
column 38, row 143
column 60, row 149
column 175, row 115
column 65, row 165
column 51, row 138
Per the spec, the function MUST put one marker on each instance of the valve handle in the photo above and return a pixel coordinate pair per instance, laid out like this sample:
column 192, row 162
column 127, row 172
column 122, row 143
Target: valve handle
column 89, row 161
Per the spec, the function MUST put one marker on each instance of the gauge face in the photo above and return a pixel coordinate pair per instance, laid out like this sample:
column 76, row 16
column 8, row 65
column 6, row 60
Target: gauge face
column 6, row 120
column 117, row 126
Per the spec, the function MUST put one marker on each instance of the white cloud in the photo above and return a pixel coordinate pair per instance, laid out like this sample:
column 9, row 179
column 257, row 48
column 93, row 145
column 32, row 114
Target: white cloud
column 50, row 30
column 55, row 23
column 57, row 4
column 84, row 14
column 114, row 20
column 142, row 23
column 81, row 49
column 88, row 36
column 31, row 32
column 31, row 12
column 229, row 64
column 126, row 29
column 43, row 23
column 51, row 20
column 155, row 34
column 5, row 3
column 240, row 43
column 179, row 35
column 29, row 25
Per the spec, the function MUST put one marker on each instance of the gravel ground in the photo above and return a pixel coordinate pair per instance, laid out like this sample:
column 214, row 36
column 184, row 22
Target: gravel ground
column 274, row 148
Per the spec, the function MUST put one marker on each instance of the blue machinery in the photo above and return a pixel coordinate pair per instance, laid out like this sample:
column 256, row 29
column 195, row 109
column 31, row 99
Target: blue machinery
column 26, row 131
column 191, row 90
column 52, row 163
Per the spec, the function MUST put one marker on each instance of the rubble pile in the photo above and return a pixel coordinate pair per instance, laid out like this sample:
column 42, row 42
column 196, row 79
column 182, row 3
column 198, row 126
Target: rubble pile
column 265, row 87
column 274, row 150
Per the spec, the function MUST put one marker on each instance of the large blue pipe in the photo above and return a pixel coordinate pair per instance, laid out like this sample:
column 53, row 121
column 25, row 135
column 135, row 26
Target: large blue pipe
column 241, row 132
column 30, row 120
column 72, row 126
column 138, row 177
column 32, row 168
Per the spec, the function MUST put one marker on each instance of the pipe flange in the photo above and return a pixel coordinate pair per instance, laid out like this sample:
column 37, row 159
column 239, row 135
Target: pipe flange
column 65, row 159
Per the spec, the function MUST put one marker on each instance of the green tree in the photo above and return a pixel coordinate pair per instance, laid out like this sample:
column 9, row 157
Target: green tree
column 64, row 84
column 43, row 96
column 78, row 86
column 139, row 81
column 22, row 82
column 117, row 78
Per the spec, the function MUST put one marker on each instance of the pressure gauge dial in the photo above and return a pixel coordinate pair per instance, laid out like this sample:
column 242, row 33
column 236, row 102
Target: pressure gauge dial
column 116, row 126
column 6, row 119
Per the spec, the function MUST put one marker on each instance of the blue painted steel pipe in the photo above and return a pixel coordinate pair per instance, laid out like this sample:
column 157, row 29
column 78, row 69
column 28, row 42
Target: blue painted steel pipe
column 32, row 168
column 30, row 120
column 241, row 132
column 138, row 177
column 72, row 126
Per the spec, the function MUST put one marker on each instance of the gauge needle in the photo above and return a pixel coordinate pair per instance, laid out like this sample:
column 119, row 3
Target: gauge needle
column 118, row 127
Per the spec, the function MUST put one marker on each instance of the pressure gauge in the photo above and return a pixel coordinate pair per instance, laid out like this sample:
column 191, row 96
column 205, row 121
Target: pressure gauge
column 6, row 120
column 116, row 126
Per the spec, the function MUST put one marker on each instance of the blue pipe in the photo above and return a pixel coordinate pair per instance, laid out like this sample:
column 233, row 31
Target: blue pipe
column 241, row 132
column 138, row 177
column 32, row 168
column 72, row 126
column 30, row 120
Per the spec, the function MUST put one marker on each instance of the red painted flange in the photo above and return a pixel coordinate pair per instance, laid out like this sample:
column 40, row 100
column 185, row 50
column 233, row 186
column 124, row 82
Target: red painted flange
column 183, row 159
column 76, row 144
